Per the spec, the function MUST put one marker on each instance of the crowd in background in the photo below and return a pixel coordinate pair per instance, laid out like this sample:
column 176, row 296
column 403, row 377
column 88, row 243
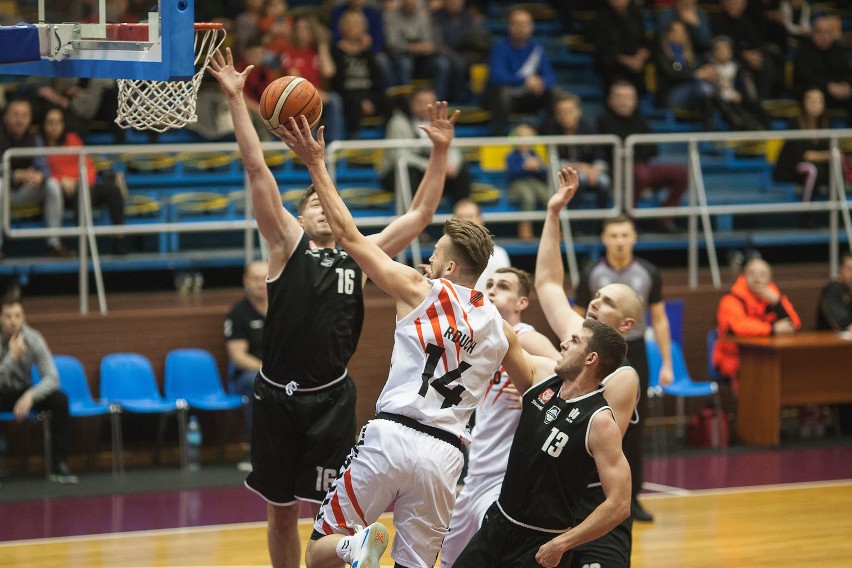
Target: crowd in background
column 723, row 57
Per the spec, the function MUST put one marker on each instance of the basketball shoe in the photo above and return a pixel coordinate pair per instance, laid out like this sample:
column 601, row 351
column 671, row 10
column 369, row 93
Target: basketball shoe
column 366, row 546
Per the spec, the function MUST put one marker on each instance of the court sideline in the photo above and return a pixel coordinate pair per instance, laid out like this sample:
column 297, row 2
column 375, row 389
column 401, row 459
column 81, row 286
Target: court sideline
column 785, row 507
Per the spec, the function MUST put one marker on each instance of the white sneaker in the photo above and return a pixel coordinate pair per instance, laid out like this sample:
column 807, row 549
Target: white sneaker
column 369, row 547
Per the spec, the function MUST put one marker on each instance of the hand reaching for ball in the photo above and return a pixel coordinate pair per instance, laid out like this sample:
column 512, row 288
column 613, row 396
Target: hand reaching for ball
column 222, row 68
column 441, row 129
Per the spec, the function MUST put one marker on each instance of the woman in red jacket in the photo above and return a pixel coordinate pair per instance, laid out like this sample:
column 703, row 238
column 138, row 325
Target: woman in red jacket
column 754, row 306
column 109, row 191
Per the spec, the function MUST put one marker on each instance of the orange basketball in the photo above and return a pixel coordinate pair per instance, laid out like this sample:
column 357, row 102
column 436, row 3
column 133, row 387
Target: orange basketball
column 290, row 96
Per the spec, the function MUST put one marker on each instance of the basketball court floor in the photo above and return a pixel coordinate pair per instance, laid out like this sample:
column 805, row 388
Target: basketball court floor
column 737, row 508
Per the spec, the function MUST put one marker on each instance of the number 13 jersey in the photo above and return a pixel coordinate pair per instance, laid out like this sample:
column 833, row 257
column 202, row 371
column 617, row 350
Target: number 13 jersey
column 445, row 353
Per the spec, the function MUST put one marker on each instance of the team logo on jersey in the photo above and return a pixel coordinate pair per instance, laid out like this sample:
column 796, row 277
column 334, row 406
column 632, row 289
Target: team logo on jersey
column 476, row 298
column 546, row 395
column 326, row 261
column 552, row 414
column 575, row 412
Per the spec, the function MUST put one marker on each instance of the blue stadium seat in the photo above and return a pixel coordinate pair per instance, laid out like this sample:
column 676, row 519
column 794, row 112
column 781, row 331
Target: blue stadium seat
column 127, row 379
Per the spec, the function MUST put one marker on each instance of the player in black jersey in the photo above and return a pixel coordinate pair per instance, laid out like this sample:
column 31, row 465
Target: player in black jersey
column 566, row 433
column 304, row 400
column 619, row 306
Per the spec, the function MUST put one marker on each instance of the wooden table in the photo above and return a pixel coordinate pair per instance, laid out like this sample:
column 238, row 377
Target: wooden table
column 810, row 367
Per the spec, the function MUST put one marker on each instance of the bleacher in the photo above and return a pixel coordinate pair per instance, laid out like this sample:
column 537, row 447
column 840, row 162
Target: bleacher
column 202, row 183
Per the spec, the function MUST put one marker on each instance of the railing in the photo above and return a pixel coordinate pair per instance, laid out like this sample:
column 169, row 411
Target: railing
column 697, row 210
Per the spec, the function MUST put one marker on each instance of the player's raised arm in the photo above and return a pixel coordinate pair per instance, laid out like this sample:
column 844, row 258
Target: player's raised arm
column 549, row 273
column 401, row 282
column 405, row 228
column 276, row 224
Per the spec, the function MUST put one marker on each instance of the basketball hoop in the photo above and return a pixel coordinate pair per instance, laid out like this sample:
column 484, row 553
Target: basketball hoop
column 162, row 105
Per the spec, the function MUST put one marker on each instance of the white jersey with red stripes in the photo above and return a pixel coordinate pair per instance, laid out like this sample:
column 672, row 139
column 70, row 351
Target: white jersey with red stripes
column 495, row 425
column 444, row 357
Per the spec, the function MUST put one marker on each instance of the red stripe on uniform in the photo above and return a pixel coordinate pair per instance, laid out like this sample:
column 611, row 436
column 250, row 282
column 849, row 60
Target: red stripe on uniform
column 435, row 321
column 326, row 528
column 447, row 306
column 347, row 481
column 450, row 288
column 419, row 329
column 339, row 517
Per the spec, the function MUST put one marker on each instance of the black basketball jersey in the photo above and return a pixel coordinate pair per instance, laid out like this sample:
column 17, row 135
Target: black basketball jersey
column 314, row 319
column 549, row 463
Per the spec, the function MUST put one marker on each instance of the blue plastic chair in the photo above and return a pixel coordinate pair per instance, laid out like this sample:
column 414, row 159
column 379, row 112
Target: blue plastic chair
column 42, row 418
column 73, row 382
column 128, row 380
column 674, row 311
column 192, row 375
column 683, row 386
column 712, row 371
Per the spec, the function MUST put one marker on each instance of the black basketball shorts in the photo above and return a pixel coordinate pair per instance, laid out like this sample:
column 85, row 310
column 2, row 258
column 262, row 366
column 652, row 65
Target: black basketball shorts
column 299, row 441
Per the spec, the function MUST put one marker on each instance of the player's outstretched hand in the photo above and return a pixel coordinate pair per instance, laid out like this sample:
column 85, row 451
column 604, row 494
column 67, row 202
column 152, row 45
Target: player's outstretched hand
column 222, row 68
column 298, row 137
column 441, row 129
column 569, row 181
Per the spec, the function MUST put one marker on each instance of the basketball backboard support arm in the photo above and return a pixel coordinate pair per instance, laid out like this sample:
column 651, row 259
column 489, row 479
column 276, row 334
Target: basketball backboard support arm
column 167, row 55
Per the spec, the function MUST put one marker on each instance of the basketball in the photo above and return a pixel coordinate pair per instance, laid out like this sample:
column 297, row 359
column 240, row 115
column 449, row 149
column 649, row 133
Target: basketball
column 290, row 96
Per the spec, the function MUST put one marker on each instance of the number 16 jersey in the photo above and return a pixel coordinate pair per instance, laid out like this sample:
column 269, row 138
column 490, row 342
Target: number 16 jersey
column 445, row 353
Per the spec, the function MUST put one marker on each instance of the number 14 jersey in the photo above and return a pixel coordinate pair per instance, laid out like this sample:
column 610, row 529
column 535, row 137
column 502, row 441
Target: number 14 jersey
column 444, row 356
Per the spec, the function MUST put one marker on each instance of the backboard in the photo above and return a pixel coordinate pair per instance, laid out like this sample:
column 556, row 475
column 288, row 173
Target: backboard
column 118, row 39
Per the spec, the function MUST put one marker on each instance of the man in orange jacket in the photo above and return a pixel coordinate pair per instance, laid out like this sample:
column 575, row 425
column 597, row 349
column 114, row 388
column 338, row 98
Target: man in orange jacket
column 754, row 306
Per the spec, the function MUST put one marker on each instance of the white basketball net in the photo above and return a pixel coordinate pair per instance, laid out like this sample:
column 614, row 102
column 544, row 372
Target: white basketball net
column 162, row 105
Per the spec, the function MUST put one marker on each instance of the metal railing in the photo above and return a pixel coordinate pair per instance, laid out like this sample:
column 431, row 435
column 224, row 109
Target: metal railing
column 697, row 210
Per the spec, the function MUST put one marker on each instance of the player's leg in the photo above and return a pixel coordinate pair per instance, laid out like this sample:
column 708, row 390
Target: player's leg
column 424, row 506
column 478, row 495
column 282, row 535
column 276, row 443
column 360, row 494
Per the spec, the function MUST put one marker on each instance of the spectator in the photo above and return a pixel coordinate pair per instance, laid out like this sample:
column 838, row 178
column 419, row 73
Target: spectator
column 410, row 40
column 30, row 177
column 275, row 26
column 462, row 40
column 735, row 94
column 468, row 210
column 587, row 159
column 805, row 162
column 622, row 47
column 734, row 22
column 21, row 348
column 111, row 189
column 754, row 307
column 823, row 63
column 683, row 79
column 375, row 38
column 308, row 55
column 358, row 80
column 690, row 14
column 835, row 300
column 619, row 265
column 244, row 339
column 768, row 17
column 520, row 78
column 407, row 126
column 527, row 176
column 835, row 312
column 247, row 27
column 621, row 117
column 253, row 53
column 796, row 17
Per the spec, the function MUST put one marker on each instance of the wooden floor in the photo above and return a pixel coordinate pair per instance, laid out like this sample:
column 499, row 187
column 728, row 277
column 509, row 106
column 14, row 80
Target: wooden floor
column 785, row 526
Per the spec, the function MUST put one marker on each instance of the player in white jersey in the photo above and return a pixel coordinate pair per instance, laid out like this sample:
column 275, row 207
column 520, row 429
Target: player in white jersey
column 496, row 417
column 449, row 341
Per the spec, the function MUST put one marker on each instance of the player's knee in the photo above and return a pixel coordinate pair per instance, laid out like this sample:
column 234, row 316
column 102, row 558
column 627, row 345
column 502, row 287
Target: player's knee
column 282, row 518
